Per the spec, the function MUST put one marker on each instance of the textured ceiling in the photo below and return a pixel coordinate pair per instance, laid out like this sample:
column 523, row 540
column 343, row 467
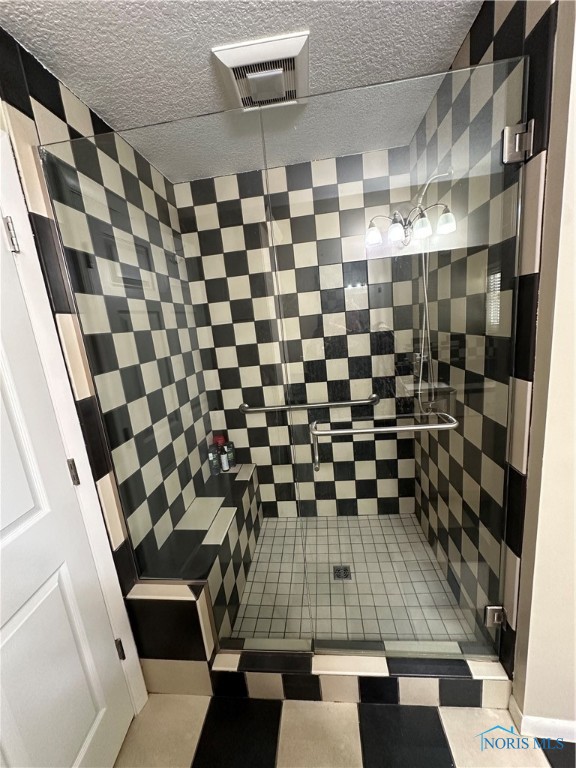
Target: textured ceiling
column 137, row 62
column 330, row 125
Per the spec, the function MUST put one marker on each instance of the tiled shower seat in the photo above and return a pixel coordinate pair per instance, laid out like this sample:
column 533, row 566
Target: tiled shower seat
column 192, row 548
column 207, row 556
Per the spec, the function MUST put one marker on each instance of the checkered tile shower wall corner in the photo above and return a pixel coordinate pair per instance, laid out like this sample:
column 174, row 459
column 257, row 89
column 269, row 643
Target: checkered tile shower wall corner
column 311, row 319
column 125, row 258
column 501, row 30
column 461, row 476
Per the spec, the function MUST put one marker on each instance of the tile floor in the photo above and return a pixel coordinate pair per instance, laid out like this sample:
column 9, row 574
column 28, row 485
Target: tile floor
column 184, row 731
column 397, row 590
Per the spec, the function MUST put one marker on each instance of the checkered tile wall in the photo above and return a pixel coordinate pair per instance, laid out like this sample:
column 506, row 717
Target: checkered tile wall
column 503, row 29
column 291, row 308
column 124, row 254
column 460, row 474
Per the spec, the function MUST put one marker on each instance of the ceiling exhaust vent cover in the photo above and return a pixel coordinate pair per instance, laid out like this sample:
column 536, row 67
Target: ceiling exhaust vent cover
column 264, row 72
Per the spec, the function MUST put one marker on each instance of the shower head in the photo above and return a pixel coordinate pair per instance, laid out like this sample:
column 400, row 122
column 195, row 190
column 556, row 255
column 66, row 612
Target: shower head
column 432, row 178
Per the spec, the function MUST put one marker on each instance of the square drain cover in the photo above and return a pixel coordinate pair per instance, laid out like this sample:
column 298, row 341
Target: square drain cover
column 342, row 572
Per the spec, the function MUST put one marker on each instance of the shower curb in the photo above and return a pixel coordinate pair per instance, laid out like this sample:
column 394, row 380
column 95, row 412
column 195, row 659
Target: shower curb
column 374, row 679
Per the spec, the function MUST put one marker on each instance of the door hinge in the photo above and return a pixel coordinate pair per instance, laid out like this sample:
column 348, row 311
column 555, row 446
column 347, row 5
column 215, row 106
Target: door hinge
column 494, row 616
column 120, row 649
column 73, row 472
column 9, row 224
column 518, row 142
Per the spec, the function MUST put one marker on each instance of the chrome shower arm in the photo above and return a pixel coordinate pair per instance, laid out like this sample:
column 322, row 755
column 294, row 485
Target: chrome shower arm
column 430, row 180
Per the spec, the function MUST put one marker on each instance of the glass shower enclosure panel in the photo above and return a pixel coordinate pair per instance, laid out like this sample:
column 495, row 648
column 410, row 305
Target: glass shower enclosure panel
column 329, row 283
column 394, row 230
column 171, row 276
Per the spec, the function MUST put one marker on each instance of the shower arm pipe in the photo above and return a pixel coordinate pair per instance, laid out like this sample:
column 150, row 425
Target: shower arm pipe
column 373, row 399
column 449, row 172
column 446, row 422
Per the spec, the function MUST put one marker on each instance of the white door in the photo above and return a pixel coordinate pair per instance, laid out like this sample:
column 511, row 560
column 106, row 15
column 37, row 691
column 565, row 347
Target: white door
column 64, row 698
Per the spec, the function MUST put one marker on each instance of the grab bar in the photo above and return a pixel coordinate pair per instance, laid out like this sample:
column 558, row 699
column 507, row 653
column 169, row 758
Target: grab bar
column 447, row 422
column 244, row 408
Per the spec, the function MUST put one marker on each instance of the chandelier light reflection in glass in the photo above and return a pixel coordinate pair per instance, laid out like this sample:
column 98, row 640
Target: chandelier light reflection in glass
column 415, row 225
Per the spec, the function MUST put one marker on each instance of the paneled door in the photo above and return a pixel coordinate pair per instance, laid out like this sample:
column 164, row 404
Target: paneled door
column 64, row 698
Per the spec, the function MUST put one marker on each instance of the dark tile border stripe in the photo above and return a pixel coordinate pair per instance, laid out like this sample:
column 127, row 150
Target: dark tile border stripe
column 13, row 86
column 516, row 507
column 379, row 690
column 166, row 629
column 90, row 422
column 526, row 313
column 507, row 649
column 125, row 566
column 48, row 245
column 399, row 667
column 302, row 687
column 275, row 662
column 229, row 684
column 460, row 693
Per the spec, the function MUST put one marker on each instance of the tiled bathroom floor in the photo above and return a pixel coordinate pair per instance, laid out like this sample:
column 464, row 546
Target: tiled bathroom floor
column 397, row 590
column 179, row 731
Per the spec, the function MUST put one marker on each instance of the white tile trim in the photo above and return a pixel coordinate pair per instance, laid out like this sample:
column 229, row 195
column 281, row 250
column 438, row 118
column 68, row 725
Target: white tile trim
column 206, row 626
column 75, row 356
column 487, row 670
column 245, row 472
column 24, row 138
column 265, row 685
column 511, row 586
column 365, row 666
column 112, row 510
column 226, row 662
column 533, row 202
column 419, row 691
column 496, row 694
column 161, row 592
column 521, row 402
column 177, row 677
column 341, row 688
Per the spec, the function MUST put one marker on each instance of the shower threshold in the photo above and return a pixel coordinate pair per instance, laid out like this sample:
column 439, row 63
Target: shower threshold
column 395, row 601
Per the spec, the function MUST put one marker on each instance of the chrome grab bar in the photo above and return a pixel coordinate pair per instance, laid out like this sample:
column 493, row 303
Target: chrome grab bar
column 446, row 422
column 244, row 408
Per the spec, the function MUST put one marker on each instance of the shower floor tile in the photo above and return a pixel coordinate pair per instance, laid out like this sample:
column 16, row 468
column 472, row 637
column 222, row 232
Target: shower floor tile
column 397, row 590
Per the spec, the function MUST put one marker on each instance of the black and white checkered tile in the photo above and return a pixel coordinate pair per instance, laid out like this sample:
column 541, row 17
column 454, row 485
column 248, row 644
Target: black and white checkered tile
column 375, row 679
column 124, row 254
column 40, row 103
column 463, row 480
column 213, row 544
column 233, row 550
column 460, row 475
column 308, row 320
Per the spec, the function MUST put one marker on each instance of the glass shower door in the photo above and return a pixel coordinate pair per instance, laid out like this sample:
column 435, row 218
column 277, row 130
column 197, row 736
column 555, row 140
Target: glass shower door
column 395, row 248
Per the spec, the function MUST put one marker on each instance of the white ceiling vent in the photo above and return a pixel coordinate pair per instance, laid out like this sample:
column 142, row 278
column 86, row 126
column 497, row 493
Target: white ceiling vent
column 264, row 72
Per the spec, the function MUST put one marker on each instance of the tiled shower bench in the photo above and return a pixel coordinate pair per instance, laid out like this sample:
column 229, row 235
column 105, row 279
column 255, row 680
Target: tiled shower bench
column 190, row 592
